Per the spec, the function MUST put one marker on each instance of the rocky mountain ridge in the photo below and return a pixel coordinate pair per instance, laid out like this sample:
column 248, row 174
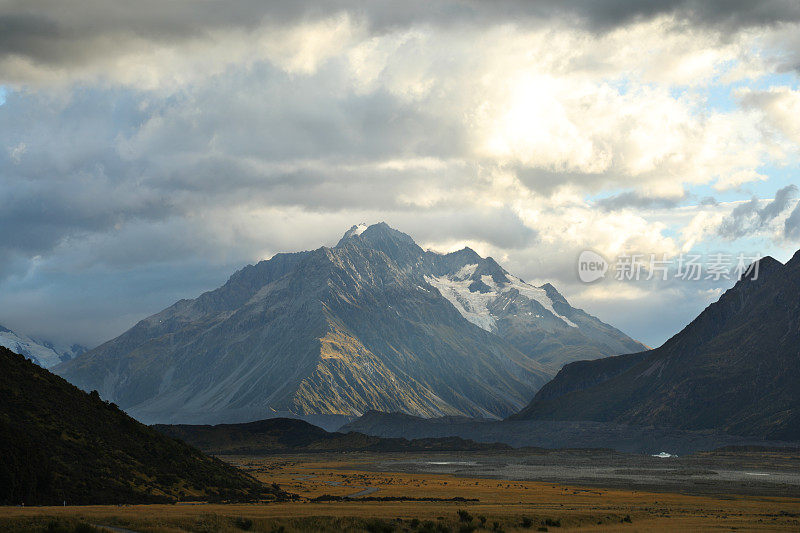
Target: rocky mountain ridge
column 735, row 368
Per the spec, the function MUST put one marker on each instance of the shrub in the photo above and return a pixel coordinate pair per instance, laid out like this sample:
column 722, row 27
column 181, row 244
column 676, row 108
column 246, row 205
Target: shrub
column 429, row 526
column 57, row 526
column 376, row 525
column 245, row 524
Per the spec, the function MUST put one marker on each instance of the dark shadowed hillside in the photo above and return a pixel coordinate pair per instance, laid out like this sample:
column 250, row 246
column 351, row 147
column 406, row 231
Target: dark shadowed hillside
column 279, row 435
column 58, row 443
column 735, row 368
column 551, row 433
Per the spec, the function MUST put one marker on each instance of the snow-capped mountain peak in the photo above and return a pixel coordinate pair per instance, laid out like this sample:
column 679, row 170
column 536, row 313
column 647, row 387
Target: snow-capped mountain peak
column 43, row 353
column 358, row 229
column 481, row 297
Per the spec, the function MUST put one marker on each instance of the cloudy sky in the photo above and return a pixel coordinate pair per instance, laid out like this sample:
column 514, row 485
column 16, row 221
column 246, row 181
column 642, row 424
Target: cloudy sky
column 149, row 149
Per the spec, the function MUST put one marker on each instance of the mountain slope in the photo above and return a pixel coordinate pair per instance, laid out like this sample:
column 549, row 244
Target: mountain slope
column 339, row 331
column 283, row 435
column 43, row 353
column 735, row 368
column 60, row 444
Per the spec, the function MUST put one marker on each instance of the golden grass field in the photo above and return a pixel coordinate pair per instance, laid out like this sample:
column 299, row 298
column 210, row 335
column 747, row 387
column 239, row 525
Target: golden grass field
column 502, row 505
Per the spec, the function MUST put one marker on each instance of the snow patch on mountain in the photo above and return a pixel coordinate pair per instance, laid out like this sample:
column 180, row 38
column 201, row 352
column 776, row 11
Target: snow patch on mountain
column 43, row 353
column 538, row 294
column 474, row 305
column 465, row 272
column 355, row 231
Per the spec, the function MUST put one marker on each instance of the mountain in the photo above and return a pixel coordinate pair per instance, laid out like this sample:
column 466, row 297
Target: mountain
column 372, row 323
column 735, row 368
column 43, row 353
column 60, row 444
column 288, row 435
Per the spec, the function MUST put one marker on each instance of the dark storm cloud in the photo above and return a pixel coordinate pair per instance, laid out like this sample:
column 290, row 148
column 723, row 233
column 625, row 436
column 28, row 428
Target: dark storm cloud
column 546, row 181
column 731, row 14
column 632, row 199
column 748, row 217
column 709, row 200
column 791, row 228
column 92, row 305
column 53, row 32
column 61, row 175
column 313, row 120
column 98, row 160
column 57, row 33
column 779, row 204
column 500, row 227
column 29, row 35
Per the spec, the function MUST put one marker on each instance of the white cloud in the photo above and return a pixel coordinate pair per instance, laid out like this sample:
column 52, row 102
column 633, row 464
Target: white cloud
column 621, row 108
column 780, row 107
column 246, row 137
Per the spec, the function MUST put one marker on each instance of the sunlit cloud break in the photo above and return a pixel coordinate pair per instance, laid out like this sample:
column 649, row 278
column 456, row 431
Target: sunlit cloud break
column 175, row 147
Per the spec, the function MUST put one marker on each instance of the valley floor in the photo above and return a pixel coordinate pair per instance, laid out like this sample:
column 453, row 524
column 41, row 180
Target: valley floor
column 485, row 499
